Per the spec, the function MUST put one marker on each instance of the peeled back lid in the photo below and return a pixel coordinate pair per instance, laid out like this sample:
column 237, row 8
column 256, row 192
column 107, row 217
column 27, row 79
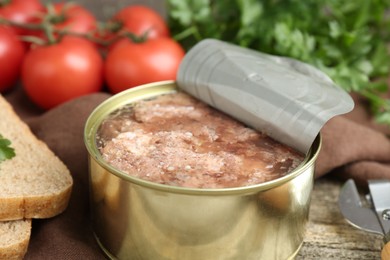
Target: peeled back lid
column 287, row 99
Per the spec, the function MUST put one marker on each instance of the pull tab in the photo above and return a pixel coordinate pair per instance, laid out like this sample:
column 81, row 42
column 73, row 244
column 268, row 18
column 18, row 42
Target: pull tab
column 282, row 97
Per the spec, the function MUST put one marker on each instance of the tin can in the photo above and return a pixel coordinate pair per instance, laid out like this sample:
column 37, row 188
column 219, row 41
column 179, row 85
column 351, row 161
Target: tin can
column 138, row 219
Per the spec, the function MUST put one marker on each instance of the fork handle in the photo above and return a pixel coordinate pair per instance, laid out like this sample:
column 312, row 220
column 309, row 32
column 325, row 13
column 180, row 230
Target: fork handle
column 386, row 251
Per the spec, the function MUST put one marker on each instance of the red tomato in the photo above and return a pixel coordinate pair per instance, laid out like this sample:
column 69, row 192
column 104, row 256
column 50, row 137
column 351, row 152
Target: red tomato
column 12, row 52
column 131, row 64
column 22, row 11
column 57, row 73
column 139, row 20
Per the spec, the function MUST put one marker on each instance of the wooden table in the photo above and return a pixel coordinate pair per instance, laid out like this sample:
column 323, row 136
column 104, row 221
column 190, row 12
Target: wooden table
column 328, row 235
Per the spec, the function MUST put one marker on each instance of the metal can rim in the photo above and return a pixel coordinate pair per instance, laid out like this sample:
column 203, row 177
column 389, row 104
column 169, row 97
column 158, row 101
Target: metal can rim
column 101, row 111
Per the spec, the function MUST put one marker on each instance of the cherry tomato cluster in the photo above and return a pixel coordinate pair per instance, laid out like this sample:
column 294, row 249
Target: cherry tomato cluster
column 60, row 51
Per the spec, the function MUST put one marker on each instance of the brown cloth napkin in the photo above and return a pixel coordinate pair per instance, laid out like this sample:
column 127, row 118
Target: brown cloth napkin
column 353, row 147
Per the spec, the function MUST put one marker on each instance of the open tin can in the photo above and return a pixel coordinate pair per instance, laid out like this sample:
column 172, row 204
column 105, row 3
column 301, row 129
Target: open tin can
column 138, row 219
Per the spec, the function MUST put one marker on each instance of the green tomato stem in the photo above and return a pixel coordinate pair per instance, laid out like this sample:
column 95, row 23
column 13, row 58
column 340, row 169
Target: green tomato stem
column 89, row 37
column 113, row 26
column 49, row 32
column 21, row 25
column 52, row 16
column 135, row 38
column 46, row 27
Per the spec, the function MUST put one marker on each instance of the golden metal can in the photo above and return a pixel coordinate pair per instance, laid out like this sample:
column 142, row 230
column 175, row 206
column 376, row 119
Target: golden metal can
column 137, row 219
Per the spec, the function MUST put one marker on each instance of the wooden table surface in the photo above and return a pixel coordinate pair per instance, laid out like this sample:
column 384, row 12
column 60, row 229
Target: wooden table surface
column 328, row 235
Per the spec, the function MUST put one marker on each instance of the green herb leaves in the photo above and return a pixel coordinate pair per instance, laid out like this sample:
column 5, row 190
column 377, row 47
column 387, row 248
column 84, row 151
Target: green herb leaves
column 6, row 151
column 345, row 39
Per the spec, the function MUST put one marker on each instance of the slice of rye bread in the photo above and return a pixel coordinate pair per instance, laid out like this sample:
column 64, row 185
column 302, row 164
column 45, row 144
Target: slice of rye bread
column 14, row 238
column 35, row 183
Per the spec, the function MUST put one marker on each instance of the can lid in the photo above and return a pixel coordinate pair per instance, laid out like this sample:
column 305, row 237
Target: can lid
column 285, row 98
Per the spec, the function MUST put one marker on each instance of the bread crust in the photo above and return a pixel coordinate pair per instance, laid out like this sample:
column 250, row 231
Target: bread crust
column 37, row 207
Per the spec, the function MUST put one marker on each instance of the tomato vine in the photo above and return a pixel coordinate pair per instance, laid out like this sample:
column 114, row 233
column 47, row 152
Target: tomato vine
column 59, row 31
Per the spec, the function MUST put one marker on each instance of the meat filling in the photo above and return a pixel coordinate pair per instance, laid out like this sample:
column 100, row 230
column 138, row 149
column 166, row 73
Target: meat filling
column 177, row 140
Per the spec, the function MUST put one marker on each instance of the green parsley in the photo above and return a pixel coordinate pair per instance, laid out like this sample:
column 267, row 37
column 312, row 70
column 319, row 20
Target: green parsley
column 6, row 151
column 348, row 40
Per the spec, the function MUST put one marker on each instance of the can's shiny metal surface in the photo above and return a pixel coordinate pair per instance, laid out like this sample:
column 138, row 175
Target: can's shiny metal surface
column 136, row 219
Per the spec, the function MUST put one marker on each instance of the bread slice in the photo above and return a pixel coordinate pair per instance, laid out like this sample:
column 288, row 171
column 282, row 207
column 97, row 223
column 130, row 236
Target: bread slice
column 35, row 183
column 14, row 238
